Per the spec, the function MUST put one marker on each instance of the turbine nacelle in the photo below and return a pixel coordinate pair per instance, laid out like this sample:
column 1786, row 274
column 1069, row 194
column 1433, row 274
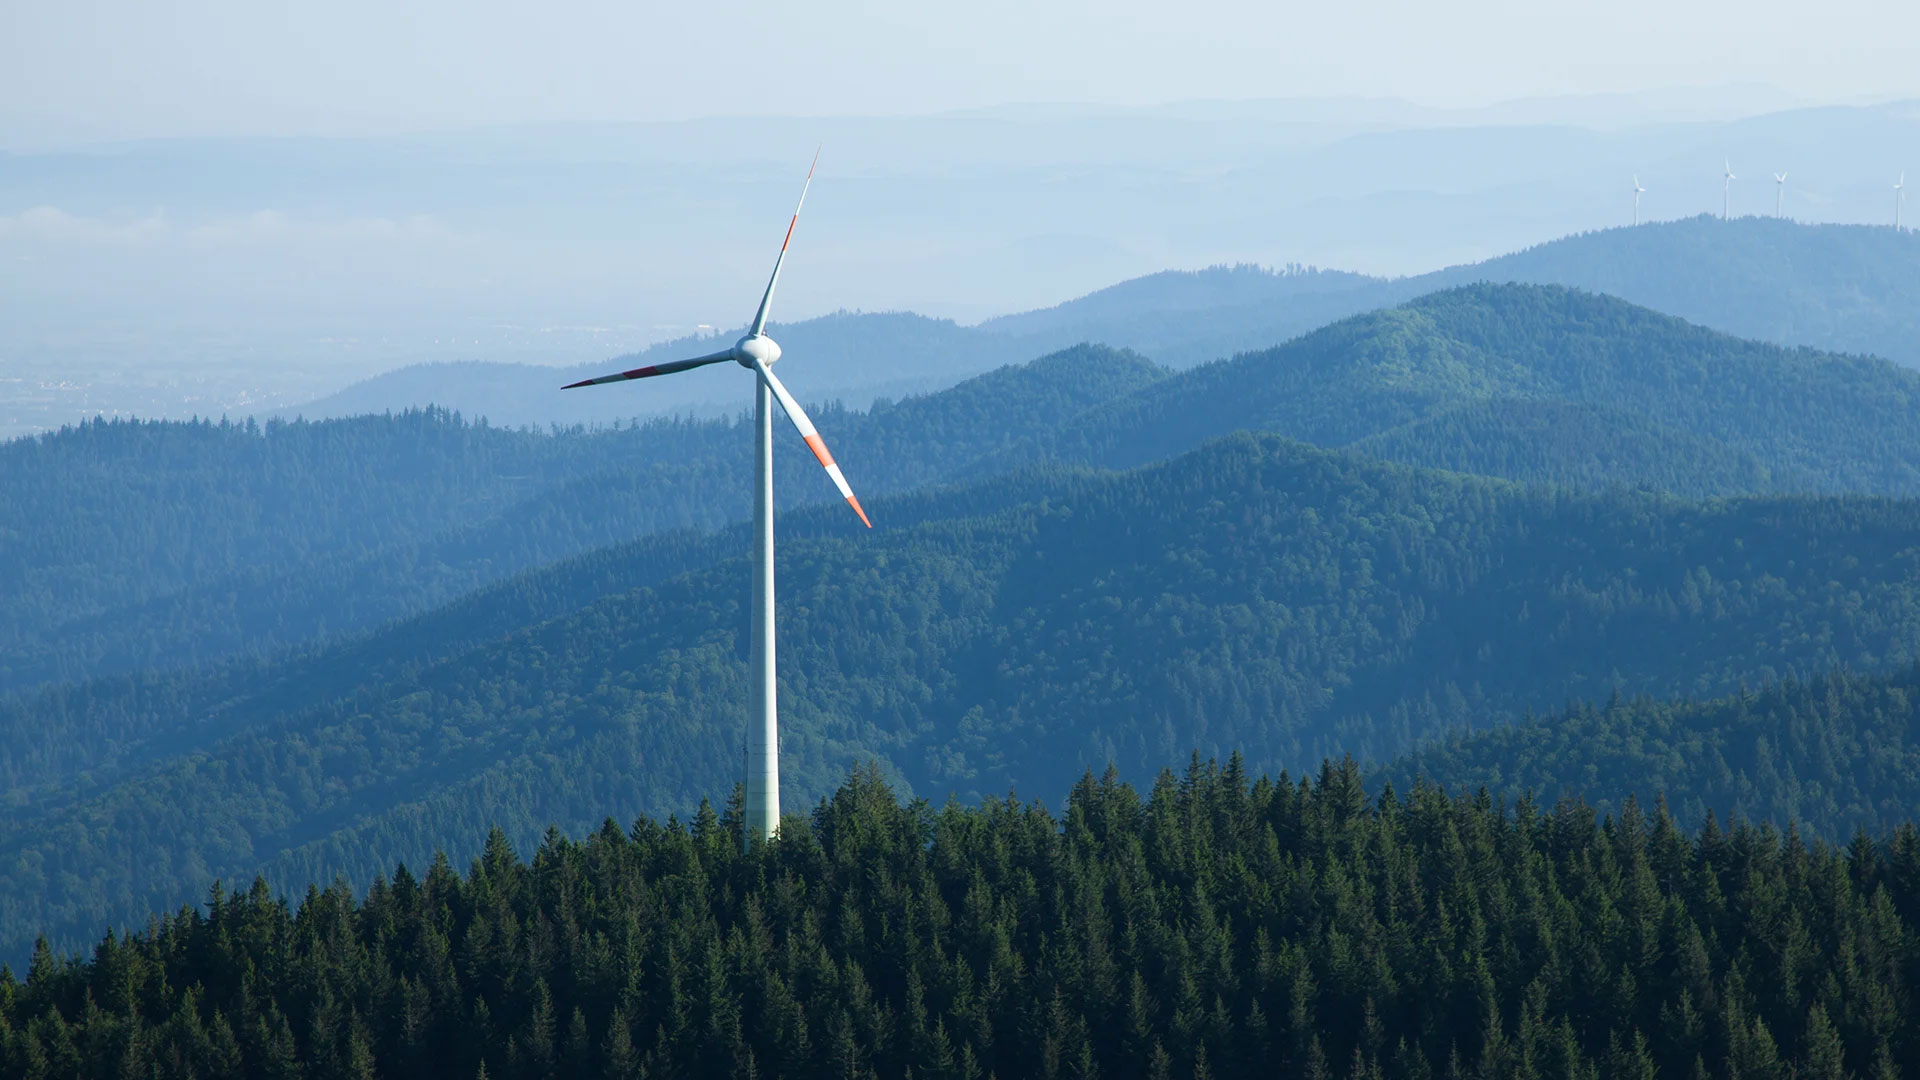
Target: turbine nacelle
column 755, row 348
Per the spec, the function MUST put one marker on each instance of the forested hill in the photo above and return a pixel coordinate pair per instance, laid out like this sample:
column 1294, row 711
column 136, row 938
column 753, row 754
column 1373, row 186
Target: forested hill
column 1185, row 317
column 1541, row 384
column 1215, row 927
column 142, row 545
column 1257, row 594
column 1832, row 755
column 1843, row 288
column 131, row 545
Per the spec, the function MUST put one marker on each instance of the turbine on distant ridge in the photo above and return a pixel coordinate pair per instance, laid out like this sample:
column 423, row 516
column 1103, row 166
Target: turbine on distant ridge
column 757, row 353
column 1637, row 192
column 1899, row 199
column 1726, row 193
column 1779, row 192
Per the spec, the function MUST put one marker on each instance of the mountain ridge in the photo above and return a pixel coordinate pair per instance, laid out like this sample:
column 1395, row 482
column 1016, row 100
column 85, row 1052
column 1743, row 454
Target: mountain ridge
column 1258, row 594
column 1841, row 288
column 1536, row 384
column 1746, row 278
column 505, row 501
column 1366, row 376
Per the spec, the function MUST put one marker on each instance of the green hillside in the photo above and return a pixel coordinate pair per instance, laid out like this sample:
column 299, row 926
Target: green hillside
column 169, row 545
column 134, row 545
column 1543, row 385
column 1211, row 928
column 1587, row 447
column 1256, row 595
column 1841, row 288
column 65, row 741
column 1831, row 755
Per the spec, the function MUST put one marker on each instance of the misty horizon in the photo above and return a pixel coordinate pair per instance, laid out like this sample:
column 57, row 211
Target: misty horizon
column 177, row 276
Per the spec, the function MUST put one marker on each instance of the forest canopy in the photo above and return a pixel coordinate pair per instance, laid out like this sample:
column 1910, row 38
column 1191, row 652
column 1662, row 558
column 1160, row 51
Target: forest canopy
column 1218, row 926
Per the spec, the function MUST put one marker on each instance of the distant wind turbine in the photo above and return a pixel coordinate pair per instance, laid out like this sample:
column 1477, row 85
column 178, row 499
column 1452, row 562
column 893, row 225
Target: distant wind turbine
column 1726, row 193
column 1899, row 199
column 1637, row 192
column 757, row 353
column 1779, row 192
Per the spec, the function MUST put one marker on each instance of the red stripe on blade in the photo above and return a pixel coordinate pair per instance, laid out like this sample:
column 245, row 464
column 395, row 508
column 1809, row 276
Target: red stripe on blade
column 855, row 503
column 819, row 448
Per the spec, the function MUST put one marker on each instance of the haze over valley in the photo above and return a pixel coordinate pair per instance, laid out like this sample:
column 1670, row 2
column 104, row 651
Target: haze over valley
column 247, row 276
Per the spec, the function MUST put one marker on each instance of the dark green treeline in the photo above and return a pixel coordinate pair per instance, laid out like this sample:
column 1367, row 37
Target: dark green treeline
column 1215, row 928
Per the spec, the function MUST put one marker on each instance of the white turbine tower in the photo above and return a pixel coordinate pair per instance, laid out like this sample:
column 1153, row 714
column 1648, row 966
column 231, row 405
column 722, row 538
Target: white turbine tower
column 1779, row 192
column 757, row 352
column 1637, row 192
column 1899, row 200
column 1726, row 193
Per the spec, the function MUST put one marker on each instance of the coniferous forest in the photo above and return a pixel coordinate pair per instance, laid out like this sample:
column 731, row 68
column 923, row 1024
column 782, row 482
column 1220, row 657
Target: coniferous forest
column 1101, row 617
column 1538, row 678
column 1216, row 927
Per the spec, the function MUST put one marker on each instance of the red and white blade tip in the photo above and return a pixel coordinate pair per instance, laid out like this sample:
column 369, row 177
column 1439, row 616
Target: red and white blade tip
column 795, row 220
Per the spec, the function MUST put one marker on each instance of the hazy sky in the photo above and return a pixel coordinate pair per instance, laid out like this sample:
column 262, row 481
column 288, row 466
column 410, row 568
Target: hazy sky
column 112, row 68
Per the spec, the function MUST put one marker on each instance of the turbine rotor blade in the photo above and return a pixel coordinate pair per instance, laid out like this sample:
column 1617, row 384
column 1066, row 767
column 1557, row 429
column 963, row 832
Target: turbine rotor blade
column 766, row 301
column 655, row 369
column 808, row 432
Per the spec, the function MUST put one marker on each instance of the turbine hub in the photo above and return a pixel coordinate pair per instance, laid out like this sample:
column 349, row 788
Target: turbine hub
column 755, row 347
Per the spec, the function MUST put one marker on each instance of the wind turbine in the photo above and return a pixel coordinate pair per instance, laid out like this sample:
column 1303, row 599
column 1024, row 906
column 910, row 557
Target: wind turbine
column 1726, row 193
column 1637, row 192
column 757, row 352
column 1899, row 199
column 1779, row 192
